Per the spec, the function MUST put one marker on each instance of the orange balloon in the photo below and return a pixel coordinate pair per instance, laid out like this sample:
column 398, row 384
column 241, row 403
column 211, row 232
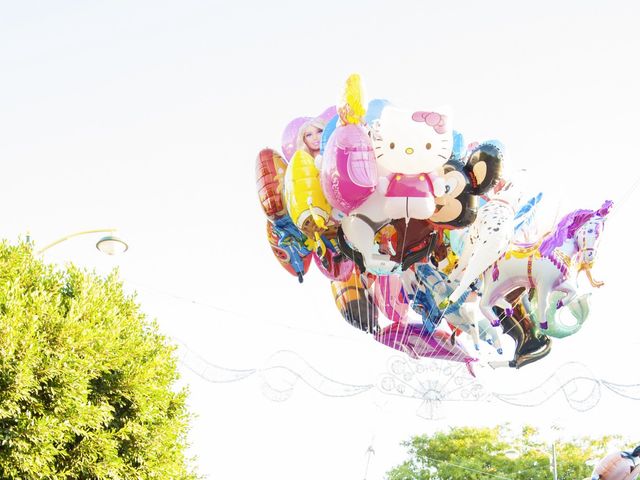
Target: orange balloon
column 355, row 302
column 270, row 168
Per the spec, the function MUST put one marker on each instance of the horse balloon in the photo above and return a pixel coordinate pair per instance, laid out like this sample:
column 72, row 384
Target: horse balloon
column 548, row 266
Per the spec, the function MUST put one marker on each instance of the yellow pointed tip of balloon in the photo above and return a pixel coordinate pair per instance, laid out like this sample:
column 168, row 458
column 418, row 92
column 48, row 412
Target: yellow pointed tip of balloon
column 319, row 221
column 352, row 109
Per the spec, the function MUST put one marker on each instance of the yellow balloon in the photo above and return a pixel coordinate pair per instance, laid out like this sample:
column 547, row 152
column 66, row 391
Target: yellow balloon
column 352, row 109
column 306, row 203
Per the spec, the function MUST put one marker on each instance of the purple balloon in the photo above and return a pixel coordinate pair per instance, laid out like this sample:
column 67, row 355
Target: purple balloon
column 328, row 114
column 289, row 136
column 415, row 341
column 291, row 131
column 349, row 173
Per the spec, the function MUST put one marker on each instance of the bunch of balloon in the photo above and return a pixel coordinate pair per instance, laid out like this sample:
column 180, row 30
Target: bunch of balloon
column 416, row 231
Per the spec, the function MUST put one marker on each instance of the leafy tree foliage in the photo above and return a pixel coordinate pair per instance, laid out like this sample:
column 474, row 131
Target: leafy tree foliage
column 495, row 453
column 86, row 381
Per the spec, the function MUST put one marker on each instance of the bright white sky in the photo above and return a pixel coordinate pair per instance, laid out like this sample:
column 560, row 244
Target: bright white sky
column 147, row 116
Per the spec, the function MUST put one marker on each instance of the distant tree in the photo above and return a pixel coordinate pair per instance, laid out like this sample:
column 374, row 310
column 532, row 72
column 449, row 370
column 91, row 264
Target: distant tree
column 87, row 383
column 493, row 453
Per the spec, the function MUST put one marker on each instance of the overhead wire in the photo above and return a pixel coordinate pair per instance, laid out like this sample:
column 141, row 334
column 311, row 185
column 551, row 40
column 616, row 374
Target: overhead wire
column 474, row 470
column 236, row 313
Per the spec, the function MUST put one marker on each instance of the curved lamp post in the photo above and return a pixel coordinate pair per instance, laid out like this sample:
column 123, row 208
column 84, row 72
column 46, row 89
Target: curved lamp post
column 109, row 244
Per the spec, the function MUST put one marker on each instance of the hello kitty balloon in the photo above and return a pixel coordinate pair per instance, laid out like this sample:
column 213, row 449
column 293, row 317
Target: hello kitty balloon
column 411, row 148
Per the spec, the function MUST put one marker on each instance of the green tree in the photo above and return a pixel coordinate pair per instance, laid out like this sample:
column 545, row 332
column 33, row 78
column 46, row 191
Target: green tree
column 86, row 381
column 495, row 453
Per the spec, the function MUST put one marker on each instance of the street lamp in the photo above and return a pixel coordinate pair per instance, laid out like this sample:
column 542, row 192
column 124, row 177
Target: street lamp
column 109, row 244
column 112, row 245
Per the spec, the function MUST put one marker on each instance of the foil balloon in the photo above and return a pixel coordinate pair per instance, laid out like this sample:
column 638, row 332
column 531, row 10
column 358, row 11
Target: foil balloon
column 491, row 232
column 618, row 466
column 416, row 342
column 355, row 302
column 351, row 108
column 489, row 334
column 556, row 328
column 289, row 250
column 410, row 149
column 432, row 287
column 328, row 114
column 466, row 180
column 524, row 215
column 290, row 135
column 305, row 201
column 390, row 297
column 462, row 316
column 329, row 128
column 414, row 241
column 531, row 344
column 374, row 110
column 334, row 265
column 270, row 168
column 548, row 266
column 348, row 173
column 459, row 147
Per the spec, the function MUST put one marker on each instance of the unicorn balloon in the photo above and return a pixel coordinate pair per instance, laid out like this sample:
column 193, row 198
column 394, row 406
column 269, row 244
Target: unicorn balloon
column 550, row 266
column 556, row 328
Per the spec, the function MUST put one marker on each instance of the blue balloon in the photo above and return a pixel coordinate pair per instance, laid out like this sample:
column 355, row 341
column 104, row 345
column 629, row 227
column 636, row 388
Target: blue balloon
column 374, row 110
column 328, row 130
column 459, row 148
column 456, row 240
column 525, row 213
column 292, row 241
column 496, row 143
column 287, row 232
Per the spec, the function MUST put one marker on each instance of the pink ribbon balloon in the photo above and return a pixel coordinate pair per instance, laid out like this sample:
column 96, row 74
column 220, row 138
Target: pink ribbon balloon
column 415, row 341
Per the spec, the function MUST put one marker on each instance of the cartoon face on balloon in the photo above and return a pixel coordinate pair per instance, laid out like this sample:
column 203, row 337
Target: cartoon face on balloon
column 410, row 147
column 311, row 137
column 457, row 205
column 465, row 181
column 411, row 142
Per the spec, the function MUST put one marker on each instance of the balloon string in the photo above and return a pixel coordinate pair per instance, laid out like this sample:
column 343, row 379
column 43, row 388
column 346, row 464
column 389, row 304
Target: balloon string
column 395, row 299
column 516, row 324
column 459, row 356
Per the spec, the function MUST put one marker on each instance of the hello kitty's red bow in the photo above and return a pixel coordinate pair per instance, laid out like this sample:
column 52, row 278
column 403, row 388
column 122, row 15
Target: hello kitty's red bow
column 433, row 119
